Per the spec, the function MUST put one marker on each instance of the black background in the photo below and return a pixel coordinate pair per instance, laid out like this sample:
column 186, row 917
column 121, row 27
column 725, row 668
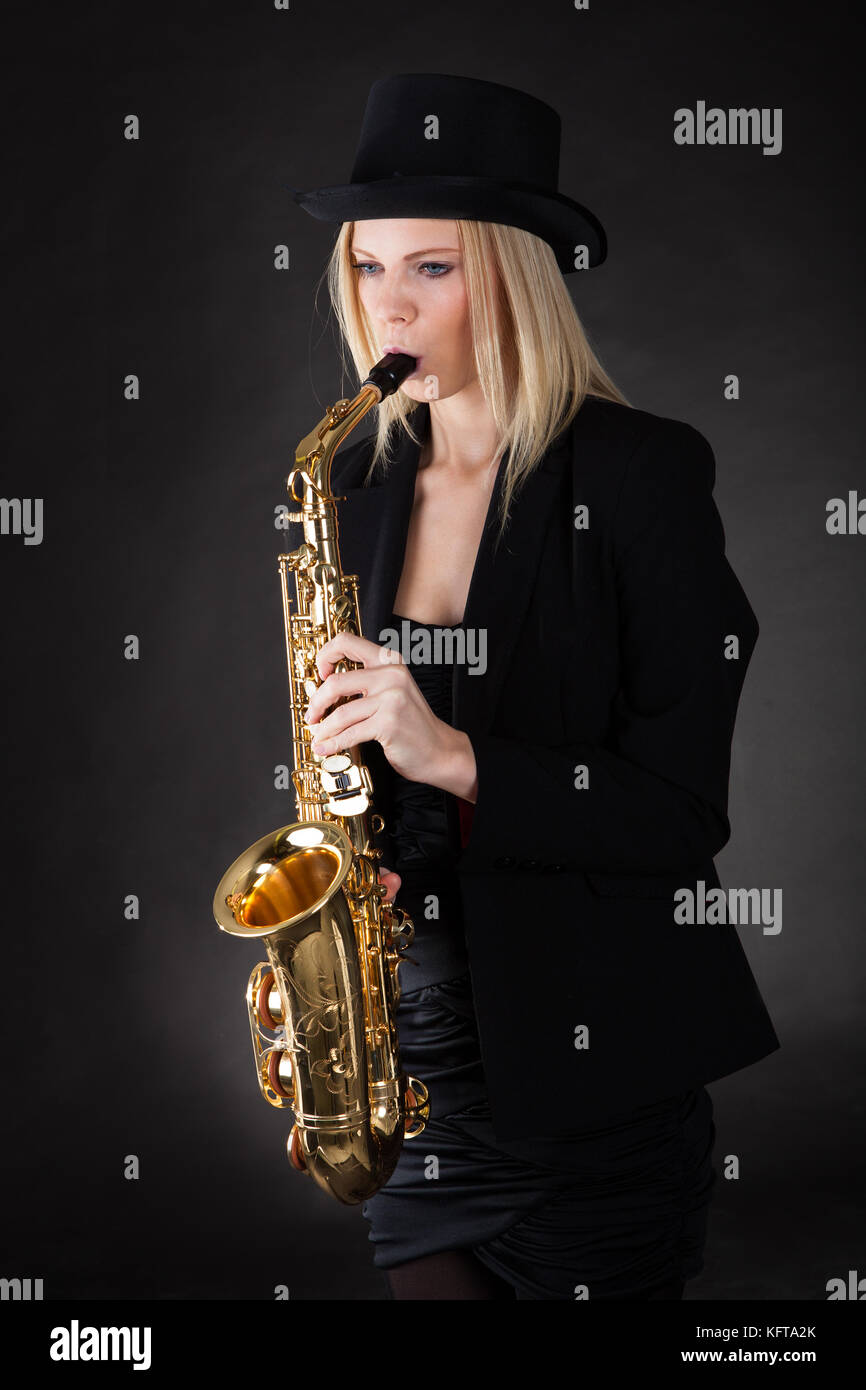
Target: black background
column 156, row 257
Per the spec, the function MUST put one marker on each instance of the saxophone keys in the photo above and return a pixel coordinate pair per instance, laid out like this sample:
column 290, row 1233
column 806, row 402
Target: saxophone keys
column 280, row 1076
column 344, row 613
column 268, row 1003
column 402, row 931
column 295, row 1150
column 417, row 1104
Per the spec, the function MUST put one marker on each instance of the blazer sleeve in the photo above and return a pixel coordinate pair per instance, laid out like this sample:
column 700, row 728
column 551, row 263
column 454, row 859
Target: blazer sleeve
column 656, row 792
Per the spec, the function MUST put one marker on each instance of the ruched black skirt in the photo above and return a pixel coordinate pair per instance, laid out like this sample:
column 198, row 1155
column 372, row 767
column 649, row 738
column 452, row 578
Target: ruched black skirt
column 617, row 1210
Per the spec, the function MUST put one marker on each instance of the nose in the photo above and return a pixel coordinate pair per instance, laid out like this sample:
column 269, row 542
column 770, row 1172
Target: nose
column 394, row 307
column 395, row 317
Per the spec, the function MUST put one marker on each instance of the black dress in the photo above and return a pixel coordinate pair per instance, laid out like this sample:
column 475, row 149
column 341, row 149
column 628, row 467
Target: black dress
column 619, row 1210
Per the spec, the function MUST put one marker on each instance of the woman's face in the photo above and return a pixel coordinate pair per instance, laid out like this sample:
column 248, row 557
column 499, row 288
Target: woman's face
column 412, row 286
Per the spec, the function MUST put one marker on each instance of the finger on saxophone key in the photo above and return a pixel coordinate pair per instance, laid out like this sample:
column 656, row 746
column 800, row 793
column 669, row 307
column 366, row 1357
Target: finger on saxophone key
column 391, row 881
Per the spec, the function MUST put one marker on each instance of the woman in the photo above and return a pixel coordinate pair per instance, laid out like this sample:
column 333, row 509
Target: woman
column 547, row 714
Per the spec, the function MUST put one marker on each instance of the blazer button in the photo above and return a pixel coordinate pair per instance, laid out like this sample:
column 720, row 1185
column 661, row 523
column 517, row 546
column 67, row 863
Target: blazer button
column 504, row 862
column 529, row 863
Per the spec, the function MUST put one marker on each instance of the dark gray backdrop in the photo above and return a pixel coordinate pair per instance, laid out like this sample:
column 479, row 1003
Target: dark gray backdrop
column 156, row 258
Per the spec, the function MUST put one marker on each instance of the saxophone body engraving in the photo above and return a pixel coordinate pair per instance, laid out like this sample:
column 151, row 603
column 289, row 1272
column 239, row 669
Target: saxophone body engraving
column 322, row 1007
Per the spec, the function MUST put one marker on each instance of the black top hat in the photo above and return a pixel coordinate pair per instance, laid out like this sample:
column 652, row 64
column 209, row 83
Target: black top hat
column 490, row 154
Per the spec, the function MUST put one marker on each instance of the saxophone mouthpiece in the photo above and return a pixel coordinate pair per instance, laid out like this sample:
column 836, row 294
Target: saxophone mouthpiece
column 390, row 372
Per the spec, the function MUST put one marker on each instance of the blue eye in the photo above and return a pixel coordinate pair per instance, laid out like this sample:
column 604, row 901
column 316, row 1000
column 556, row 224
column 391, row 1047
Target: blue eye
column 364, row 266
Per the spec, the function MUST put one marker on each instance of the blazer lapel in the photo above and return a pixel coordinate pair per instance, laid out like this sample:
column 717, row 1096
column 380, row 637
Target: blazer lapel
column 502, row 583
column 376, row 522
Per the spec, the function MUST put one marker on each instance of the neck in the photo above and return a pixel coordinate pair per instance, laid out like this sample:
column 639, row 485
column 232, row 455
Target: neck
column 463, row 435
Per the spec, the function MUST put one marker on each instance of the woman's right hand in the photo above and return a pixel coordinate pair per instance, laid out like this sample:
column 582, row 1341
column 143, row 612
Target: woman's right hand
column 391, row 881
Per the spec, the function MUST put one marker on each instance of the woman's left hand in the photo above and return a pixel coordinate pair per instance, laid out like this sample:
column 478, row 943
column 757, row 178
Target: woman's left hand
column 390, row 709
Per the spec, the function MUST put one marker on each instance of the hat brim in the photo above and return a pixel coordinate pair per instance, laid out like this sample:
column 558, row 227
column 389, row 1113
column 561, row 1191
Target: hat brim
column 558, row 220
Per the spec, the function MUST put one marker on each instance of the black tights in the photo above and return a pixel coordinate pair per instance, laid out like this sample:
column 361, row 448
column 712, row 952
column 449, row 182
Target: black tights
column 460, row 1274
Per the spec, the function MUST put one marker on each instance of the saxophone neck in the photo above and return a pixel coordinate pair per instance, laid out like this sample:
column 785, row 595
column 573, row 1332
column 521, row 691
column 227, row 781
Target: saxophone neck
column 315, row 452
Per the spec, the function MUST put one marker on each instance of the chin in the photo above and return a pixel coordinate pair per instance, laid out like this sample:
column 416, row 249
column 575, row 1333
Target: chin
column 419, row 389
column 415, row 393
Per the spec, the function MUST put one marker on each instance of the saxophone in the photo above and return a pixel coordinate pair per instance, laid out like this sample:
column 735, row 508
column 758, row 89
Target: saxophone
column 322, row 1007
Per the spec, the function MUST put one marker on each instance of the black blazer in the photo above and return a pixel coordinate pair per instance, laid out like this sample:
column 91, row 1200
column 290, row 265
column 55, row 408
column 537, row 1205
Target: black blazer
column 605, row 650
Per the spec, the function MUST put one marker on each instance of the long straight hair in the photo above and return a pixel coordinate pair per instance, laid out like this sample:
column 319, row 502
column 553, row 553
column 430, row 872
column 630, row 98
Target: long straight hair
column 534, row 361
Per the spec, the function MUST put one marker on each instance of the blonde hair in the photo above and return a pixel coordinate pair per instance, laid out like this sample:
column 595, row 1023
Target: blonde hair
column 534, row 361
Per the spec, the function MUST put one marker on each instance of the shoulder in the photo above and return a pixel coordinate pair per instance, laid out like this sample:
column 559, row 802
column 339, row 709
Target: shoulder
column 629, row 429
column 638, row 450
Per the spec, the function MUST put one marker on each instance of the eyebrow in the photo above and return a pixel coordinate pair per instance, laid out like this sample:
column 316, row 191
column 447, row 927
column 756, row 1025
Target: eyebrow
column 357, row 251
